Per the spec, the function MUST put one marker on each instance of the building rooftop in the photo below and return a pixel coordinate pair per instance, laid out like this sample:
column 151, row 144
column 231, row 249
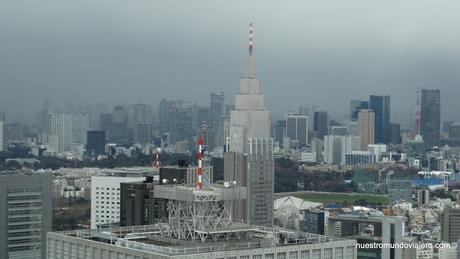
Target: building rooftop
column 157, row 239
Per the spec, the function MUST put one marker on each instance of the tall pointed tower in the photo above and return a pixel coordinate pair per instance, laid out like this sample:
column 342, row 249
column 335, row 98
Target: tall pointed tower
column 249, row 158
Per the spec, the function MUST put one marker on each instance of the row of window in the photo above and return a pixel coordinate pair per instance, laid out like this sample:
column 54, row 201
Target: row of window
column 108, row 202
column 108, row 207
column 25, row 197
column 113, row 193
column 24, row 190
column 25, row 205
column 108, row 189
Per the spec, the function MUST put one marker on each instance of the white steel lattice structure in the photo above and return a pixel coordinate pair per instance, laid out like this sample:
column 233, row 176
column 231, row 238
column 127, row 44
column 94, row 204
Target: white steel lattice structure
column 200, row 214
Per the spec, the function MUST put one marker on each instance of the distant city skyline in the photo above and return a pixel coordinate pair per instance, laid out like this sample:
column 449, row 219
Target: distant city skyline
column 322, row 54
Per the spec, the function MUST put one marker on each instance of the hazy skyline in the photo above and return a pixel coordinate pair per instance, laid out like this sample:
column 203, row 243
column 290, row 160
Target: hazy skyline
column 308, row 53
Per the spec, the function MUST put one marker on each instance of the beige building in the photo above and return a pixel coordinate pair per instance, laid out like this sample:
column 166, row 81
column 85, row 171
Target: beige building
column 366, row 120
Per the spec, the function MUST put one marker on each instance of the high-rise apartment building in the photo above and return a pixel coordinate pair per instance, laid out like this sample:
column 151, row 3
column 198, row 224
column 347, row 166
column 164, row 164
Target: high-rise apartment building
column 61, row 130
column 366, row 123
column 381, row 107
column 430, row 117
column 320, row 124
column 26, row 215
column 250, row 135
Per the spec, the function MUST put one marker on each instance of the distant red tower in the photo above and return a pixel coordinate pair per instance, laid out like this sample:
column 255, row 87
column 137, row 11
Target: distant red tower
column 157, row 163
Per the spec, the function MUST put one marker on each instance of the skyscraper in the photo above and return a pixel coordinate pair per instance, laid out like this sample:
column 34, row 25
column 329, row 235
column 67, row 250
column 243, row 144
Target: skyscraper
column 450, row 224
column 430, row 117
column 381, row 107
column 61, row 130
column 3, row 139
column 217, row 108
column 250, row 135
column 355, row 106
column 366, row 123
column 297, row 128
column 26, row 215
column 95, row 143
column 320, row 124
column 80, row 125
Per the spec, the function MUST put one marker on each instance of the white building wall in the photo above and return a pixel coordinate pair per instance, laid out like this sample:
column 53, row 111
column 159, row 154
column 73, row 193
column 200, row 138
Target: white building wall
column 61, row 126
column 377, row 150
column 105, row 198
column 448, row 253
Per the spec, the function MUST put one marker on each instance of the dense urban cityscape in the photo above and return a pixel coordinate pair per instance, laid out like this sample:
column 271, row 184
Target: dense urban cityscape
column 226, row 178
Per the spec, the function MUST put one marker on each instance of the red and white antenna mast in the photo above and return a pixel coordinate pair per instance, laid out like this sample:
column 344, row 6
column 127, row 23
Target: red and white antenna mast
column 200, row 156
column 200, row 168
column 157, row 162
column 251, row 40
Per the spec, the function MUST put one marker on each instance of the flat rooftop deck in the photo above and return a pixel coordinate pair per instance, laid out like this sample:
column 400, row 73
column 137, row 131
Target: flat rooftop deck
column 149, row 238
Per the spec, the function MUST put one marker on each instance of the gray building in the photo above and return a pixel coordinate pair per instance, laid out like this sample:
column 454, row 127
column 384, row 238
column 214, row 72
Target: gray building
column 450, row 224
column 423, row 197
column 3, row 136
column 355, row 106
column 25, row 215
column 430, row 117
column 314, row 221
column 249, row 133
column 320, row 124
column 146, row 242
column 400, row 190
column 381, row 107
column 297, row 128
column 368, row 230
column 137, row 206
column 217, row 109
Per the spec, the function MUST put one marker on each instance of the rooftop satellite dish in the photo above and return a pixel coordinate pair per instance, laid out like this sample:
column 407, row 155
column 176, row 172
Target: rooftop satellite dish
column 165, row 181
column 234, row 182
column 226, row 184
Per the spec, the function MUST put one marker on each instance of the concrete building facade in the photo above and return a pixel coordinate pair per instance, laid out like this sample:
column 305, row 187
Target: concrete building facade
column 105, row 245
column 105, row 199
column 25, row 215
column 250, row 134
column 366, row 123
column 61, row 129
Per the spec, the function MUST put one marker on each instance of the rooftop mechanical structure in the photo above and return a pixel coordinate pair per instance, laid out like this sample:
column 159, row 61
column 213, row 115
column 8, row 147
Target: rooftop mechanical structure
column 201, row 214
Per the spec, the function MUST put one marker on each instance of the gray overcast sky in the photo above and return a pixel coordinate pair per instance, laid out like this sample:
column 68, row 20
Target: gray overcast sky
column 308, row 52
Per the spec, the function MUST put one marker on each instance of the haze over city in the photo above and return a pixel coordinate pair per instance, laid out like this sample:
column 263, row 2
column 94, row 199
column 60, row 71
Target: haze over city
column 229, row 129
column 309, row 53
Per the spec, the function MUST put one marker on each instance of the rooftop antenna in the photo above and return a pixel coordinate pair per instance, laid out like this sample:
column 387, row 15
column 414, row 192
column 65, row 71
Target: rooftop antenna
column 251, row 41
